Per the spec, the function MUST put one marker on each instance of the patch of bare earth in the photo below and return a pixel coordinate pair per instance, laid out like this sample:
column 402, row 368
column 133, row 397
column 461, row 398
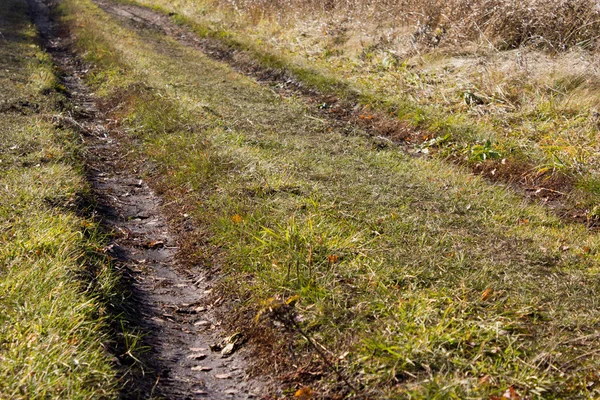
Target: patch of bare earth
column 183, row 353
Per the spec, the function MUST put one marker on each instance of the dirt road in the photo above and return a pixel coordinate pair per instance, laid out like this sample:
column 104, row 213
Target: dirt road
column 169, row 303
column 375, row 270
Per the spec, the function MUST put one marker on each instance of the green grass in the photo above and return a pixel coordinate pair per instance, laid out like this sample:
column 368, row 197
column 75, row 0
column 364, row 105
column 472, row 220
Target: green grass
column 532, row 107
column 53, row 284
column 437, row 283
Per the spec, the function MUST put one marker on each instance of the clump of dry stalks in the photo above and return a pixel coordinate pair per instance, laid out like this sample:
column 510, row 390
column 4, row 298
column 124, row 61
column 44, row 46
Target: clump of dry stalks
column 555, row 25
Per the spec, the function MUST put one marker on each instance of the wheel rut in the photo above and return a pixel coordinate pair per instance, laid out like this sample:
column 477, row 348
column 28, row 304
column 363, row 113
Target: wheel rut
column 384, row 132
column 170, row 303
column 347, row 111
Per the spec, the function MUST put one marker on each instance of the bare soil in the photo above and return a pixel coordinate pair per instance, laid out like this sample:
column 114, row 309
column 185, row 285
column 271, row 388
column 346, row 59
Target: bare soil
column 169, row 303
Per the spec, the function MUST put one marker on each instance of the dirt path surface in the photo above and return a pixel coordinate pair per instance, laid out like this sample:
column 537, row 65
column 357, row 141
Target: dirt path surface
column 171, row 300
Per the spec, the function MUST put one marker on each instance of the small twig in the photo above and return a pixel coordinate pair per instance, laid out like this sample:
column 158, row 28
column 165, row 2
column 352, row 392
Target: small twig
column 315, row 118
column 540, row 189
column 322, row 354
column 390, row 141
column 585, row 337
column 284, row 312
column 589, row 353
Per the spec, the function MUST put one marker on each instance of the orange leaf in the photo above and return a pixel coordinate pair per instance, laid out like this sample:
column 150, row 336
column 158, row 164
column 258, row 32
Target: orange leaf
column 486, row 294
column 236, row 218
column 304, row 393
column 155, row 244
column 332, row 259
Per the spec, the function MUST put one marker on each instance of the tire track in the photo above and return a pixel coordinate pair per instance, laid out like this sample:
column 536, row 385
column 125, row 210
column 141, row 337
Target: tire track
column 169, row 303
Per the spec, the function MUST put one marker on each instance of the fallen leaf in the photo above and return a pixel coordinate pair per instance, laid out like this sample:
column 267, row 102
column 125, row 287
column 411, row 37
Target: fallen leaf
column 486, row 294
column 228, row 349
column 587, row 249
column 291, row 301
column 333, row 258
column 304, row 393
column 228, row 345
column 236, row 218
column 511, row 394
column 155, row 244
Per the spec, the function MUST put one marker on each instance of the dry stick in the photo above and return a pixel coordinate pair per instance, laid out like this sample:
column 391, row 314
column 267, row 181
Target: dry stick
column 585, row 337
column 290, row 319
column 589, row 353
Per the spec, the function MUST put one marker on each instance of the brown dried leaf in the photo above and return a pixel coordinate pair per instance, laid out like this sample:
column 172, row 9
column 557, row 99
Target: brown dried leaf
column 154, row 244
column 486, row 294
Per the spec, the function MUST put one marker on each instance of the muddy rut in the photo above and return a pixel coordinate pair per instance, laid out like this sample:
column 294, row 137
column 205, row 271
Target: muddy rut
column 188, row 356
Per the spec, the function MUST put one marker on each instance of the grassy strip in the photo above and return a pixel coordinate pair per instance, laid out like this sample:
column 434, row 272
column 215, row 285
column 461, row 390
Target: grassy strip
column 53, row 283
column 539, row 124
column 421, row 280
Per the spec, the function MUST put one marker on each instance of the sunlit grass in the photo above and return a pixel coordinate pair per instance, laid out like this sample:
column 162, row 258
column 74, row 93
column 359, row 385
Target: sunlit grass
column 421, row 279
column 53, row 285
column 423, row 63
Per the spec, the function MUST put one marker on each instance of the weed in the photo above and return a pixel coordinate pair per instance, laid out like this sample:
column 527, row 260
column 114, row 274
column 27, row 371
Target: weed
column 483, row 152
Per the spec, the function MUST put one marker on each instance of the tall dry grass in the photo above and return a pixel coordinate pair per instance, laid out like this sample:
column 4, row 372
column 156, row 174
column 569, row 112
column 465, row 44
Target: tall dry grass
column 556, row 25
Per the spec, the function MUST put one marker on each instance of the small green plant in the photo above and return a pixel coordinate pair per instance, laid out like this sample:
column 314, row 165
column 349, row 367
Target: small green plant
column 483, row 152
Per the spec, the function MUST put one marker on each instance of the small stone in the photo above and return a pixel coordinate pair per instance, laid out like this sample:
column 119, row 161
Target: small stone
column 201, row 368
column 197, row 356
column 223, row 376
column 228, row 349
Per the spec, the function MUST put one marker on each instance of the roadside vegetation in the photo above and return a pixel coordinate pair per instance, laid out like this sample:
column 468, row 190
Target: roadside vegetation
column 54, row 285
column 508, row 88
column 416, row 278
